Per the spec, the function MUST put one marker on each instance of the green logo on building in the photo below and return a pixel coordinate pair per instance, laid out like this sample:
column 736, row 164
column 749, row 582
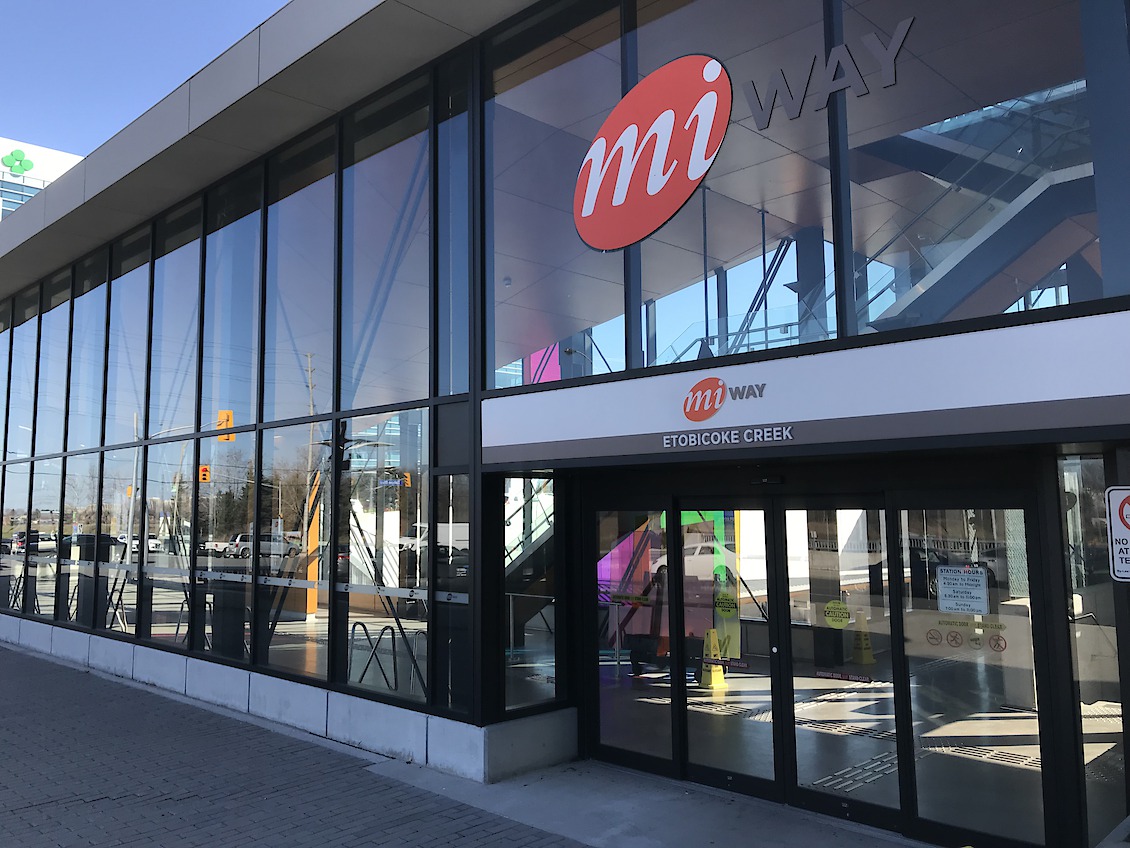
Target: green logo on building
column 17, row 162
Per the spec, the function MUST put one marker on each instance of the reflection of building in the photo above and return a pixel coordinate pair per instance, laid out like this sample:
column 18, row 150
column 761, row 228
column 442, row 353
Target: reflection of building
column 26, row 169
column 801, row 495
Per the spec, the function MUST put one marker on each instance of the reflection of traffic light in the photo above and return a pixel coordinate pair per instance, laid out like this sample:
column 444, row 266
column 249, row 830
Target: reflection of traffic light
column 225, row 421
column 205, row 474
column 407, row 479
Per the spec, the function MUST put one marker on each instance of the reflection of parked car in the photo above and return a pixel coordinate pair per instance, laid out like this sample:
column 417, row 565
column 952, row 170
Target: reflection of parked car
column 276, row 546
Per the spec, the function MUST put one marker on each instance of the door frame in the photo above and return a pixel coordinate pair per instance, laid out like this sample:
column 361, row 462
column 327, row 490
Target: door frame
column 1031, row 485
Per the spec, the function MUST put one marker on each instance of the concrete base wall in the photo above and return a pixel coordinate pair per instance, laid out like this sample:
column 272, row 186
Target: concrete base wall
column 483, row 754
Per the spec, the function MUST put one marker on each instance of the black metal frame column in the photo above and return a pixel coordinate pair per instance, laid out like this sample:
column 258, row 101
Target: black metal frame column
column 846, row 317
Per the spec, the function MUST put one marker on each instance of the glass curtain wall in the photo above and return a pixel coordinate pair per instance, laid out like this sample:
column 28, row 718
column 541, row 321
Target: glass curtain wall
column 166, row 547
column 225, row 519
column 453, row 230
column 972, row 168
column 382, row 541
column 230, row 349
column 21, row 399
column 386, row 251
column 88, row 354
column 555, row 307
column 176, row 322
column 293, row 566
column 747, row 264
column 78, row 546
column 54, row 336
column 43, row 535
column 298, row 310
column 13, row 564
column 127, row 340
column 531, row 581
column 118, row 559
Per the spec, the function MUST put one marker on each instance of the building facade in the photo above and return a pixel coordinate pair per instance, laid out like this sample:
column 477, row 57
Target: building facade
column 728, row 389
column 17, row 162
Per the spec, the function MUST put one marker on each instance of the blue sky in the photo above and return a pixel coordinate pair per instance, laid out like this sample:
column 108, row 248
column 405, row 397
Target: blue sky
column 77, row 71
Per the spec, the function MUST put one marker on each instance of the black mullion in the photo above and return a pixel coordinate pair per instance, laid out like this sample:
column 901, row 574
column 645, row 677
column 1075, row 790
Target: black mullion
column 337, row 663
column 100, row 602
column 677, row 637
column 633, row 261
column 144, row 610
column 198, row 592
column 477, row 355
column 63, row 464
column 1116, row 472
column 1059, row 718
column 838, row 168
column 781, row 651
column 431, row 414
column 27, row 605
column 900, row 668
column 259, row 650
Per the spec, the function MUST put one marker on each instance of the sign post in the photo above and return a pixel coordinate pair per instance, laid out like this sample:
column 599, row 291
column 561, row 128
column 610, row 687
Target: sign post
column 1118, row 528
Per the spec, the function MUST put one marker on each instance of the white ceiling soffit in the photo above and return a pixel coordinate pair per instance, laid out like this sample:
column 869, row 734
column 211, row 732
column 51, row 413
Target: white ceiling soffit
column 307, row 62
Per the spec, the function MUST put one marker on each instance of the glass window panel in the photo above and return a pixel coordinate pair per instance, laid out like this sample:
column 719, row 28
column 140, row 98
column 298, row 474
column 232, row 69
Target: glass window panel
column 386, row 265
column 298, row 354
column 231, row 301
column 382, row 542
column 54, row 338
column 633, row 632
column 451, row 554
column 129, row 332
column 1095, row 655
column 727, row 644
column 556, row 305
column 88, row 354
column 842, row 670
column 747, row 264
column 225, row 521
column 295, row 510
column 453, row 240
column 969, row 652
column 531, row 586
column 12, row 564
column 116, row 600
column 21, row 401
column 973, row 176
column 77, row 547
column 43, row 535
column 167, row 542
column 176, row 315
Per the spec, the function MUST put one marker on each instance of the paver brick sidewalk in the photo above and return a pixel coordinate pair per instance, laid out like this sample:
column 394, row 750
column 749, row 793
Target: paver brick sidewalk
column 86, row 761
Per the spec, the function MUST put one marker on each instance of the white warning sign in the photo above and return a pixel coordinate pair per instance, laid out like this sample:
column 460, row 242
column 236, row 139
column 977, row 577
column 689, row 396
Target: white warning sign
column 963, row 589
column 1118, row 526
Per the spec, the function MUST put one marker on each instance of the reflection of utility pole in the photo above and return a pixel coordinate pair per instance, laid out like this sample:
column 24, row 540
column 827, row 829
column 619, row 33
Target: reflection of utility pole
column 309, row 459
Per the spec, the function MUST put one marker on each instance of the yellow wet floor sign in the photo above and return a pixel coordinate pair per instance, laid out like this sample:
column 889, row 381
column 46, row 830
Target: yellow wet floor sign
column 861, row 652
column 713, row 676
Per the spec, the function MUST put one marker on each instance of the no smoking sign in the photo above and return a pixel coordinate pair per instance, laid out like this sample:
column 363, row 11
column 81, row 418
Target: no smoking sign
column 1118, row 528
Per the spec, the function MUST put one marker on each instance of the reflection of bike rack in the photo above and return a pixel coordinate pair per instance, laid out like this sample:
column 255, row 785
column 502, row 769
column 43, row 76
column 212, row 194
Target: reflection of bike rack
column 374, row 646
column 416, row 634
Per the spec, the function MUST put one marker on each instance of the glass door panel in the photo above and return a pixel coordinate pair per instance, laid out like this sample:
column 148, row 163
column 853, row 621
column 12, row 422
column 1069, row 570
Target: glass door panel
column 633, row 638
column 727, row 643
column 972, row 680
column 843, row 683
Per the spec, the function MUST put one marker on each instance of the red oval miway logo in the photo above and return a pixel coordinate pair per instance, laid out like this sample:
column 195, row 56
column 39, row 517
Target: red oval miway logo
column 678, row 115
column 704, row 399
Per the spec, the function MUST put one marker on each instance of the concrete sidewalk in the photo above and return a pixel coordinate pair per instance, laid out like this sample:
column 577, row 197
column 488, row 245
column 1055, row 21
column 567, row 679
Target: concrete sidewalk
column 88, row 760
